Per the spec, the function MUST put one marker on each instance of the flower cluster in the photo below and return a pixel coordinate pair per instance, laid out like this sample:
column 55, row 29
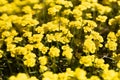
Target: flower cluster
column 60, row 39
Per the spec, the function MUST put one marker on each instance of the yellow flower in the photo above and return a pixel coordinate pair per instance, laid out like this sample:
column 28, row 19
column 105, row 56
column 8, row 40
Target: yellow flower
column 38, row 6
column 33, row 1
column 5, row 34
column 49, row 76
column 118, row 3
column 43, row 68
column 69, row 72
column 14, row 32
column 43, row 60
column 118, row 64
column 21, row 76
column 77, row 24
column 80, row 74
column 53, row 10
column 94, row 78
column 87, row 29
column 40, row 29
column 66, row 47
column 67, row 4
column 10, row 47
column 29, row 55
column 66, row 12
column 118, row 33
column 12, row 78
column 27, row 9
column 49, row 1
column 98, row 62
column 111, row 45
column 33, row 78
column 19, row 51
column 1, row 53
column 110, row 75
column 89, row 46
column 112, row 0
column 62, row 76
column 29, row 47
column 35, row 38
column 105, row 67
column 87, row 60
column 96, row 36
column 111, row 36
column 30, row 62
column 9, row 40
column 89, row 15
column 17, row 39
column 68, row 54
column 77, row 13
column 27, row 34
column 102, row 9
column 112, row 21
column 50, row 37
column 54, row 52
column 38, row 45
column 101, row 18
column 44, row 49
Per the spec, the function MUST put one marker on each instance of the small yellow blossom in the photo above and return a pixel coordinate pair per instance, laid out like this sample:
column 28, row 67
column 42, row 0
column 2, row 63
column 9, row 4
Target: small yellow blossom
column 50, row 37
column 27, row 34
column 38, row 6
column 35, row 38
column 94, row 78
column 27, row 9
column 1, row 53
column 77, row 13
column 49, row 76
column 89, row 46
column 67, row 12
column 43, row 68
column 24, row 76
column 111, row 45
column 54, row 52
column 98, row 62
column 10, row 47
column 118, row 64
column 118, row 33
column 80, row 74
column 53, row 10
column 30, row 62
column 111, row 21
column 5, row 34
column 44, row 49
column 17, row 39
column 111, row 36
column 29, row 47
column 68, row 4
column 110, row 75
column 87, row 60
column 89, row 15
column 43, row 60
column 62, row 76
column 29, row 55
column 68, row 54
column 101, row 18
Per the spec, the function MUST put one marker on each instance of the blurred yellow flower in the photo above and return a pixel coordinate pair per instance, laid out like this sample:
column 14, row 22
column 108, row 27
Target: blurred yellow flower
column 54, row 52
